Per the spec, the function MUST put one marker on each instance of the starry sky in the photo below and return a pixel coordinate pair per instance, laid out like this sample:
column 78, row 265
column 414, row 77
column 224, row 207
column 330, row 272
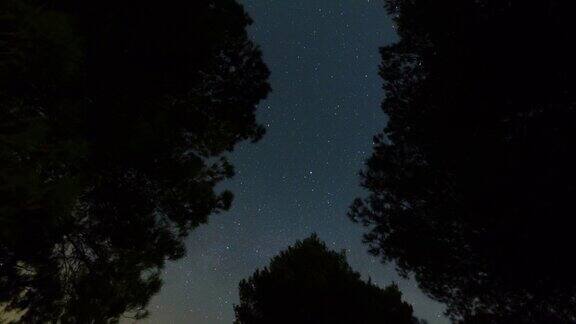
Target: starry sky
column 301, row 178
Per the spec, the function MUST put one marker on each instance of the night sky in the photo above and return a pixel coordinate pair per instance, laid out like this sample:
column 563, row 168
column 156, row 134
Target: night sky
column 301, row 178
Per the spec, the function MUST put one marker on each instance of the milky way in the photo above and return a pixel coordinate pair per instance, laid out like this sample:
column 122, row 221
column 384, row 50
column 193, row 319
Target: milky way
column 301, row 178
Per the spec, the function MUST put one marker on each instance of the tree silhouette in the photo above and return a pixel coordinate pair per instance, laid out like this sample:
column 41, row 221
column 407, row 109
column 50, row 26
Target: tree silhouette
column 472, row 179
column 115, row 118
column 308, row 283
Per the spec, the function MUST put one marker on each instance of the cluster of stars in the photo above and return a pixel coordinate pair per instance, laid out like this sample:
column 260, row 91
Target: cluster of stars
column 302, row 176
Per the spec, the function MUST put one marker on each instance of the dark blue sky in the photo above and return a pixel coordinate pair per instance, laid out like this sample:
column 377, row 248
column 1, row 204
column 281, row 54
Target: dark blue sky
column 303, row 175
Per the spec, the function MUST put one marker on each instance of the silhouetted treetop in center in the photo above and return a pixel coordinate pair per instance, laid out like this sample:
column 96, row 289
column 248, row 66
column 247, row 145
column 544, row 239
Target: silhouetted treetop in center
column 307, row 283
column 472, row 181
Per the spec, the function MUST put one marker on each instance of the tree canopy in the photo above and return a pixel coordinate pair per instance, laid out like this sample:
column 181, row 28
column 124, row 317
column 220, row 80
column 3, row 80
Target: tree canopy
column 308, row 283
column 472, row 180
column 115, row 120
